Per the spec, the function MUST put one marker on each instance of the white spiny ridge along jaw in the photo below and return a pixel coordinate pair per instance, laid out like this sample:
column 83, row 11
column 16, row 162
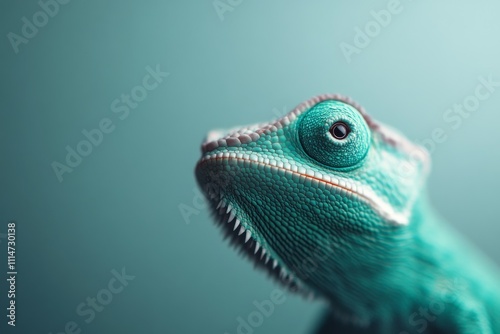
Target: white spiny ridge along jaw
column 243, row 237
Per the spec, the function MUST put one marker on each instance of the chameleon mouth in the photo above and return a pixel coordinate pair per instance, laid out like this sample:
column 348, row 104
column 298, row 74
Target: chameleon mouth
column 237, row 226
column 301, row 174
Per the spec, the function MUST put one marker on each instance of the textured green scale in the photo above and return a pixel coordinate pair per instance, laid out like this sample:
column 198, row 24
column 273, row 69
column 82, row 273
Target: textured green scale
column 347, row 219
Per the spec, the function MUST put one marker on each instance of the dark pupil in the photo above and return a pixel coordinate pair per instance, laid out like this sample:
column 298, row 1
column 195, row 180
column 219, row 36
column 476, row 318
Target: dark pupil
column 339, row 130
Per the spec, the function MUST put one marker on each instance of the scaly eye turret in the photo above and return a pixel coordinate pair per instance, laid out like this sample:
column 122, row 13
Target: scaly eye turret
column 335, row 134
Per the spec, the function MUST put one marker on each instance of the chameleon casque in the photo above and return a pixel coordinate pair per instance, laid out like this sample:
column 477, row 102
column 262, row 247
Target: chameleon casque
column 333, row 204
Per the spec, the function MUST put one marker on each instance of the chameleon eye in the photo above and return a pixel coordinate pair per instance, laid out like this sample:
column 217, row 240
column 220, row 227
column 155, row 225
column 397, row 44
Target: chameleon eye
column 340, row 130
column 335, row 134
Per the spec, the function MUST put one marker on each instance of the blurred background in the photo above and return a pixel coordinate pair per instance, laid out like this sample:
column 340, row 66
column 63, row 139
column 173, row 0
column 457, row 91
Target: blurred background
column 104, row 106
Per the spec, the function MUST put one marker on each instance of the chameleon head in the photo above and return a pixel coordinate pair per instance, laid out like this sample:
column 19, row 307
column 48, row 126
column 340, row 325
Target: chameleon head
column 310, row 196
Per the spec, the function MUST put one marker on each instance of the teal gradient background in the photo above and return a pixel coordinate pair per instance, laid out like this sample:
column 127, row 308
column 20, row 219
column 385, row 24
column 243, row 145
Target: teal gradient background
column 120, row 207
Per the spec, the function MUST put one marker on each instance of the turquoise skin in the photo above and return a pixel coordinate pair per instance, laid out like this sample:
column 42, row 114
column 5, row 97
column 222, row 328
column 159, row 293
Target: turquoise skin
column 333, row 204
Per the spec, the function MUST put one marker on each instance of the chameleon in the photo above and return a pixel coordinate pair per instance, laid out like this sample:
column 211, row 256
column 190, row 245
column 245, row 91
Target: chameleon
column 333, row 205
